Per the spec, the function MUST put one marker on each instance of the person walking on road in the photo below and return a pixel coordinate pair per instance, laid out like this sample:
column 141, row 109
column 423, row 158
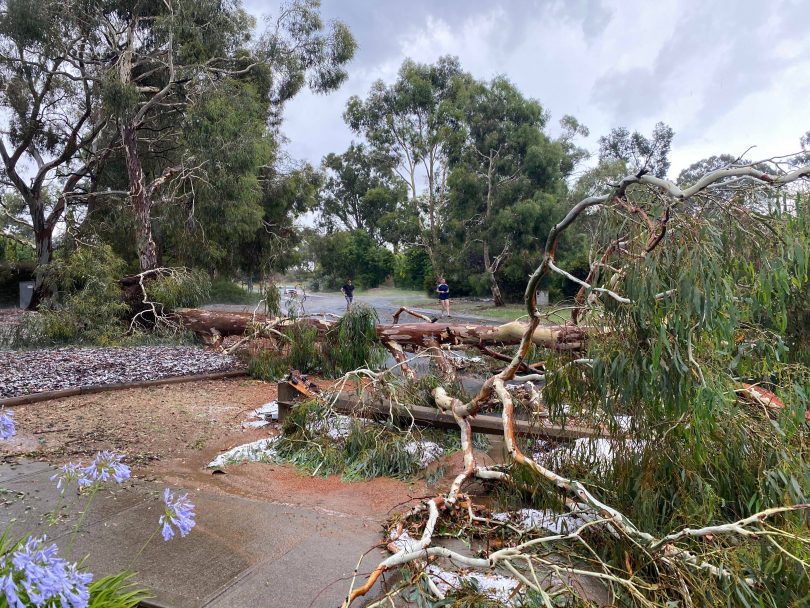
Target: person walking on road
column 348, row 292
column 444, row 296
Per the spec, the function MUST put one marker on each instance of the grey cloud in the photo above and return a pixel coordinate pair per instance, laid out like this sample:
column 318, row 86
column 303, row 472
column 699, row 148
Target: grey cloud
column 717, row 49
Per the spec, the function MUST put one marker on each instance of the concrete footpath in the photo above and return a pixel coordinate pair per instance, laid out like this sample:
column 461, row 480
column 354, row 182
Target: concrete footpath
column 242, row 552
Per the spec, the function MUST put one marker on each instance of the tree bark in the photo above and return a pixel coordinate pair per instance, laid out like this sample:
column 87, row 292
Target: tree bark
column 489, row 267
column 497, row 297
column 43, row 239
column 414, row 335
column 140, row 200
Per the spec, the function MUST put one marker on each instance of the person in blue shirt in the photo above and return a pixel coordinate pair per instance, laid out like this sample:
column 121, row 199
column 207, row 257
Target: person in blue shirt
column 348, row 292
column 444, row 296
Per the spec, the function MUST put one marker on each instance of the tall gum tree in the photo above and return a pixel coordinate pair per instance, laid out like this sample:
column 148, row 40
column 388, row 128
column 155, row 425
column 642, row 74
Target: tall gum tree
column 500, row 157
column 169, row 54
column 409, row 121
column 361, row 189
column 53, row 136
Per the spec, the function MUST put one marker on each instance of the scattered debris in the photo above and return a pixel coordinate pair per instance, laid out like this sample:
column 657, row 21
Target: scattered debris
column 556, row 523
column 503, row 589
column 262, row 450
column 264, row 415
column 35, row 371
column 424, row 452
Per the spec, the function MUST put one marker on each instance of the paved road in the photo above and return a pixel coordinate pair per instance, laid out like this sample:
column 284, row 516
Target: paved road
column 384, row 304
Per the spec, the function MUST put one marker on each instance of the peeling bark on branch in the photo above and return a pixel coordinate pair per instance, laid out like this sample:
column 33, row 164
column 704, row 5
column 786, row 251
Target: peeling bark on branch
column 415, row 335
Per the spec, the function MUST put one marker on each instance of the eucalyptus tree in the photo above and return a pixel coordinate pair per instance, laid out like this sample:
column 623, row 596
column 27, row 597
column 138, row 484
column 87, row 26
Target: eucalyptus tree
column 361, row 189
column 500, row 157
column 409, row 120
column 288, row 190
column 169, row 55
column 53, row 135
column 640, row 153
column 681, row 364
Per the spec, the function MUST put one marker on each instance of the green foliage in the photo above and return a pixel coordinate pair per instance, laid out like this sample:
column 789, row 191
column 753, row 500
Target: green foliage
column 352, row 343
column 363, row 450
column 267, row 365
column 272, row 299
column 87, row 306
column 355, row 255
column 225, row 132
column 361, row 187
column 180, row 289
column 413, row 270
column 299, row 350
column 639, row 152
column 117, row 591
column 225, row 291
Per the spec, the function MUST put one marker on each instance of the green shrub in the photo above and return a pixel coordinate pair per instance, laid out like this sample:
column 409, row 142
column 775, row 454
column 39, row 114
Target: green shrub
column 225, row 291
column 86, row 307
column 352, row 343
column 180, row 289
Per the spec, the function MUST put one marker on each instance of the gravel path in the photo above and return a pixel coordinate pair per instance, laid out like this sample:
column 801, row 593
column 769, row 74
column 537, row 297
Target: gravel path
column 34, row 371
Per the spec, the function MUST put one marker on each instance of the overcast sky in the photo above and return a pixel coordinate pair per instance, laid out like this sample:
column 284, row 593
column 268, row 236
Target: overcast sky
column 725, row 74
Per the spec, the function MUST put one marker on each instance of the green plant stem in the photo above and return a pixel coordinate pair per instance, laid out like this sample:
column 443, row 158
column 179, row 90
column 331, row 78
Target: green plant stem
column 138, row 554
column 81, row 520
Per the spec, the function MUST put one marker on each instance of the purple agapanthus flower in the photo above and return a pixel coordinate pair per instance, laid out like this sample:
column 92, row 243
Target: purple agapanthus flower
column 179, row 512
column 70, row 472
column 105, row 466
column 46, row 578
column 9, row 590
column 7, row 429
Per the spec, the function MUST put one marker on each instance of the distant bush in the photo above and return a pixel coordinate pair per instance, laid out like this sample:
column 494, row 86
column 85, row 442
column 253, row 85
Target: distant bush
column 225, row 291
column 413, row 270
column 354, row 255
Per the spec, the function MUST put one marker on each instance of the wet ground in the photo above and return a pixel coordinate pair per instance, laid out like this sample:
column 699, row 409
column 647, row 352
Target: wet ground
column 266, row 534
column 384, row 302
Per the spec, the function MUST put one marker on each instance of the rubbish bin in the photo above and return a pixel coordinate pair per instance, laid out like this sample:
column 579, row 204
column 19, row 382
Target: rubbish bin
column 26, row 293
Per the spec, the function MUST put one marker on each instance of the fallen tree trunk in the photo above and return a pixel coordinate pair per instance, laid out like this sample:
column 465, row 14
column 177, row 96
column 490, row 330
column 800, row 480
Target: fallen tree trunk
column 416, row 335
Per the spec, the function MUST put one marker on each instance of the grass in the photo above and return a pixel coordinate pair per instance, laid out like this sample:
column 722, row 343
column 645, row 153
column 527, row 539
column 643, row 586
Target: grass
column 404, row 297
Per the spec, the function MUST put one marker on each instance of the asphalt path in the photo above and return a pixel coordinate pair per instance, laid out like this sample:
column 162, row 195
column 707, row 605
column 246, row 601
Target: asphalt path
column 333, row 303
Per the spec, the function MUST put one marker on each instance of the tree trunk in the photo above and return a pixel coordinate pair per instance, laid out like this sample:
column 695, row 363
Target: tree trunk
column 140, row 199
column 43, row 240
column 490, row 269
column 415, row 335
column 497, row 298
column 44, row 244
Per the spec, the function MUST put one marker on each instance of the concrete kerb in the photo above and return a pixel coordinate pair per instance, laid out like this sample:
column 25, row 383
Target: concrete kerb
column 100, row 388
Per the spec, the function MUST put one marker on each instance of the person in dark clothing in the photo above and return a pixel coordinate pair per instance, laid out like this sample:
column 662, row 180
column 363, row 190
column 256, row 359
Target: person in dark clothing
column 348, row 292
column 444, row 296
